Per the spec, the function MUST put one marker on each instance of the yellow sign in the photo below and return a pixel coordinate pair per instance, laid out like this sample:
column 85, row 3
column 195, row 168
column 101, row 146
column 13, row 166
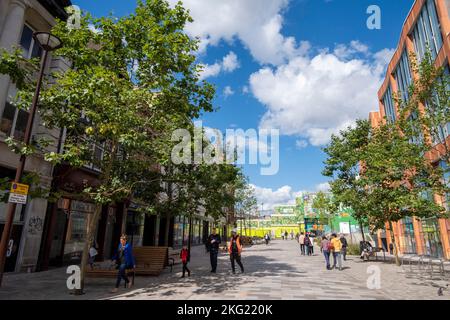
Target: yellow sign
column 19, row 188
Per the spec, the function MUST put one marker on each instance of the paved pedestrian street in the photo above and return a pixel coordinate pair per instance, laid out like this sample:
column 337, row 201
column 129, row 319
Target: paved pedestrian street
column 276, row 271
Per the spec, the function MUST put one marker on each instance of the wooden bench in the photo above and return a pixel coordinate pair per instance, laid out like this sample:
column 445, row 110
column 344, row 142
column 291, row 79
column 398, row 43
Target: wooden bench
column 174, row 257
column 150, row 261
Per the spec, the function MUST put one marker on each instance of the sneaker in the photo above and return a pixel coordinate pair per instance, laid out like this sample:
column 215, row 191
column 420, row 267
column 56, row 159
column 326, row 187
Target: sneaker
column 114, row 290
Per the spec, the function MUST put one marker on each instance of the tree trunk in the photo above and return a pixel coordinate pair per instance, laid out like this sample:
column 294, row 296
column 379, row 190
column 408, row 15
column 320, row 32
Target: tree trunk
column 93, row 225
column 168, row 215
column 362, row 231
column 89, row 240
column 397, row 260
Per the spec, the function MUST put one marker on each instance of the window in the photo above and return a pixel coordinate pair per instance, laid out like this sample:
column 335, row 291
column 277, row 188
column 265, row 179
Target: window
column 443, row 130
column 13, row 121
column 445, row 167
column 427, row 32
column 98, row 151
column 403, row 76
column 31, row 49
column 388, row 102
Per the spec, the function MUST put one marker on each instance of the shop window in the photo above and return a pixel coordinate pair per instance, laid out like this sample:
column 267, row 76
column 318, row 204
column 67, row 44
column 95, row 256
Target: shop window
column 431, row 237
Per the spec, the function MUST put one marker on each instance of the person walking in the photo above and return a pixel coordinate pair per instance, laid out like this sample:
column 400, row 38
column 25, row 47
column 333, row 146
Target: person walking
column 235, row 249
column 185, row 258
column 325, row 248
column 336, row 247
column 266, row 238
column 311, row 246
column 92, row 254
column 292, row 235
column 301, row 240
column 344, row 247
column 213, row 242
column 307, row 242
column 124, row 260
column 285, row 235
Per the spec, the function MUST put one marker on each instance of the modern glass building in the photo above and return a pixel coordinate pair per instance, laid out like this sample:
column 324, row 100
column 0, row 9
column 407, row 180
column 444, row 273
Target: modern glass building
column 427, row 28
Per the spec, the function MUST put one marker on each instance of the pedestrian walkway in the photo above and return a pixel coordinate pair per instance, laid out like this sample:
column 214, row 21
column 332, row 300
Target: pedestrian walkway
column 276, row 271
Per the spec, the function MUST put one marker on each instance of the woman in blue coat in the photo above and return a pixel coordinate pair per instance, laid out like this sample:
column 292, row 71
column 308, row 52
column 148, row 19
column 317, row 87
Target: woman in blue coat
column 125, row 260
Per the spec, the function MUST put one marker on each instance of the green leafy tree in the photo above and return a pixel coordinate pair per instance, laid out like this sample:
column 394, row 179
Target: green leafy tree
column 323, row 205
column 400, row 181
column 425, row 116
column 344, row 155
column 132, row 81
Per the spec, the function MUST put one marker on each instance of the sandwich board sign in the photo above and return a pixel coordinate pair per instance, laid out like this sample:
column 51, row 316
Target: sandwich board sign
column 18, row 193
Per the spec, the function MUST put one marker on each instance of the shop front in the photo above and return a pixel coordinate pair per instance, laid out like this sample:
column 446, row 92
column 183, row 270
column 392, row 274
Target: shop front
column 407, row 238
column 432, row 238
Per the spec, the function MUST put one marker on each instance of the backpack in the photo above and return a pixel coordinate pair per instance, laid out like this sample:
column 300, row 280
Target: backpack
column 330, row 246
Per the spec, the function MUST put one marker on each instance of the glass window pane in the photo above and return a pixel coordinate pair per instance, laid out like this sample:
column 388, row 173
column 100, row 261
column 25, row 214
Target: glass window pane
column 7, row 118
column 37, row 51
column 21, row 124
column 26, row 40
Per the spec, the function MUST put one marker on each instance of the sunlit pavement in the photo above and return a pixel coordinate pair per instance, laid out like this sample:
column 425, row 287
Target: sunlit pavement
column 276, row 271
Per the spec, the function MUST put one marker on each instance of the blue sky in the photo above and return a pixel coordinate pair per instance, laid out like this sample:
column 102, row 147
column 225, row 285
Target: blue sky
column 305, row 67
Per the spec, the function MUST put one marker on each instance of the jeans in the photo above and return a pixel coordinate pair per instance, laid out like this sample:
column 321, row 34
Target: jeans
column 337, row 257
column 344, row 253
column 185, row 268
column 327, row 258
column 122, row 274
column 237, row 257
column 302, row 248
column 213, row 257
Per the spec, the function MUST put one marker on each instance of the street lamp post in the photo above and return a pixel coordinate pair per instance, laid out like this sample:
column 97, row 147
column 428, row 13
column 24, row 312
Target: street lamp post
column 48, row 42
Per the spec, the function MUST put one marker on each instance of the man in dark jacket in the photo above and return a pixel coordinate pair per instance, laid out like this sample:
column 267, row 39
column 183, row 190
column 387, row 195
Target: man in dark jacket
column 344, row 247
column 213, row 243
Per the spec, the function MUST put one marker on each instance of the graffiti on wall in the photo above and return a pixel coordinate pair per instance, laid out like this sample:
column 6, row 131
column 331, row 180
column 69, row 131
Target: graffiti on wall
column 35, row 225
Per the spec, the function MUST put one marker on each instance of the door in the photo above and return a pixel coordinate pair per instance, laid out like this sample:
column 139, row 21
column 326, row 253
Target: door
column 59, row 236
column 13, row 247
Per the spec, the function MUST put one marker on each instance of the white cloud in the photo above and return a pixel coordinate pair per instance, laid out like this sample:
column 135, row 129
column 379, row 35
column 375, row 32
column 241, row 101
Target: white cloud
column 270, row 198
column 228, row 64
column 245, row 89
column 256, row 23
column 210, row 71
column 227, row 91
column 323, row 186
column 285, row 195
column 301, row 144
column 314, row 97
